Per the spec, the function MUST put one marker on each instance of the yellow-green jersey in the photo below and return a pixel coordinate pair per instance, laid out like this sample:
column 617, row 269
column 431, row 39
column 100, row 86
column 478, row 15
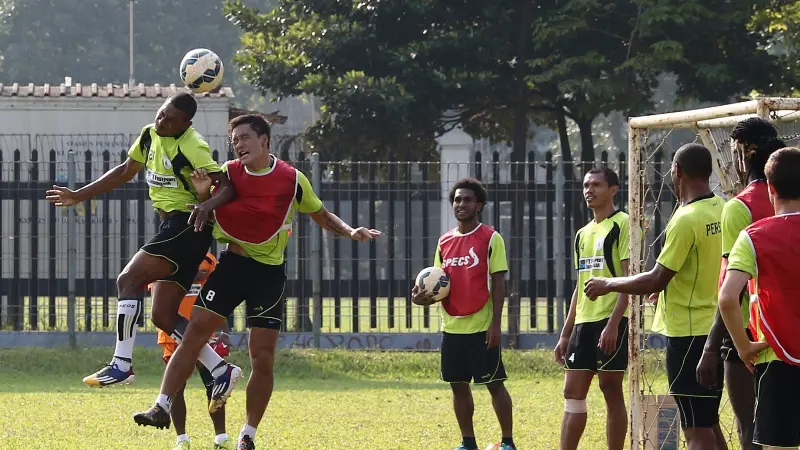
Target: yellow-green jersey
column 599, row 251
column 169, row 162
column 688, row 305
column 469, row 260
column 271, row 250
column 742, row 257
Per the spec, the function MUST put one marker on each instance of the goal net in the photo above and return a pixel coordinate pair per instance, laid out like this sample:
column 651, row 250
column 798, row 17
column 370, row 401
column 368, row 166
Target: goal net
column 653, row 140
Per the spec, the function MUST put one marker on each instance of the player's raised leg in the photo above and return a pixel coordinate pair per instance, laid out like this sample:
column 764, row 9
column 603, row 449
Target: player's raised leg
column 141, row 270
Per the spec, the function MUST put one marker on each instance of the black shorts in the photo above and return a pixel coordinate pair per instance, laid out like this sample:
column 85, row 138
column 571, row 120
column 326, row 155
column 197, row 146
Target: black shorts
column 240, row 279
column 728, row 350
column 699, row 405
column 466, row 358
column 777, row 421
column 584, row 354
column 178, row 243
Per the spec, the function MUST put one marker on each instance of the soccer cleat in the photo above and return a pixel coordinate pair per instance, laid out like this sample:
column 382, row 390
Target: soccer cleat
column 182, row 445
column 227, row 444
column 246, row 443
column 110, row 375
column 156, row 416
column 464, row 447
column 223, row 387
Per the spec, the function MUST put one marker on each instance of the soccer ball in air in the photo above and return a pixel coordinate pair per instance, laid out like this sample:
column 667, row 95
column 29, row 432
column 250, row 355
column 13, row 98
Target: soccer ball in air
column 201, row 70
column 435, row 281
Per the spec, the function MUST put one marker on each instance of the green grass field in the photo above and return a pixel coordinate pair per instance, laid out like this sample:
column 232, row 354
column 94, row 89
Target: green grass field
column 327, row 400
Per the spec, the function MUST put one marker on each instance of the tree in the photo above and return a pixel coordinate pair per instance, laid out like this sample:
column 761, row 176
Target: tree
column 43, row 41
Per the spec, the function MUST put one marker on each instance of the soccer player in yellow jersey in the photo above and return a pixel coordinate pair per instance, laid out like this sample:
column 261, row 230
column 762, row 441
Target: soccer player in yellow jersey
column 686, row 275
column 169, row 150
column 765, row 254
column 753, row 140
column 594, row 339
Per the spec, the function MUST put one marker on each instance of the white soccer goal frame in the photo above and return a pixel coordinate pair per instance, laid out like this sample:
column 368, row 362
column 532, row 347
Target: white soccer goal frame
column 702, row 121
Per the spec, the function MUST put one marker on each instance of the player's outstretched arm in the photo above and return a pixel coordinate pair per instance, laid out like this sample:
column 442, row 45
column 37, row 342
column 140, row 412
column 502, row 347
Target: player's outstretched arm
column 655, row 280
column 331, row 222
column 114, row 178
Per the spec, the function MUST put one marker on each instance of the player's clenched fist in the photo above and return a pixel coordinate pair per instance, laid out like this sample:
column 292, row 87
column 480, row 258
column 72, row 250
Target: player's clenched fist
column 596, row 287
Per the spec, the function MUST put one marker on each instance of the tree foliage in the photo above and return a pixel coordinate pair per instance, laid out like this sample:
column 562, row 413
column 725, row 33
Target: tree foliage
column 42, row 41
column 392, row 76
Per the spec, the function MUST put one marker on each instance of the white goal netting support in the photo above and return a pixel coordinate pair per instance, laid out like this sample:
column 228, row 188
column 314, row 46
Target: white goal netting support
column 653, row 140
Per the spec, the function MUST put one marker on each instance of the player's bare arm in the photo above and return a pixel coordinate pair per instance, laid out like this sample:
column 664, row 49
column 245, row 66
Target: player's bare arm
column 498, row 297
column 566, row 330
column 729, row 307
column 331, row 222
column 114, row 178
column 655, row 280
column 225, row 192
column 609, row 335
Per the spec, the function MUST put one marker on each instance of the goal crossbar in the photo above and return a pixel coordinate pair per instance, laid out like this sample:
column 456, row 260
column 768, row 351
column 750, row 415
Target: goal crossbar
column 715, row 116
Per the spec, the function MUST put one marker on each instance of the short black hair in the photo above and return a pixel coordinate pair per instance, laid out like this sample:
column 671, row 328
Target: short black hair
column 472, row 184
column 184, row 102
column 695, row 161
column 760, row 136
column 257, row 122
column 608, row 173
column 781, row 170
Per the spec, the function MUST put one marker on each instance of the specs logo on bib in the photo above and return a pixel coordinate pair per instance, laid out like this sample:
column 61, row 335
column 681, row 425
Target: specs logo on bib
column 461, row 261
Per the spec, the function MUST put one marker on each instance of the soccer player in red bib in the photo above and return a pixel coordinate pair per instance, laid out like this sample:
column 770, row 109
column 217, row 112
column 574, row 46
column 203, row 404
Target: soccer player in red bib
column 766, row 253
column 252, row 269
column 474, row 257
column 752, row 142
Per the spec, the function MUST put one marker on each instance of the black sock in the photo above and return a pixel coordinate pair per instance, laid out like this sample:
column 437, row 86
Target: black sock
column 469, row 442
column 508, row 441
column 180, row 328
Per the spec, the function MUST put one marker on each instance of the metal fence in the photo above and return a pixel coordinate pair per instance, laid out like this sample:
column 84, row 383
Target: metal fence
column 55, row 260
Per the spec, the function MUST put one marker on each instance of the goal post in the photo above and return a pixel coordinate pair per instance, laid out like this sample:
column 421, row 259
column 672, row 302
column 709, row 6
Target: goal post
column 653, row 139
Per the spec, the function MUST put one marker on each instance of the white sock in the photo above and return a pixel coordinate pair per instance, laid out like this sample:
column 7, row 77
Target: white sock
column 247, row 430
column 211, row 361
column 220, row 438
column 181, row 438
column 127, row 315
column 164, row 402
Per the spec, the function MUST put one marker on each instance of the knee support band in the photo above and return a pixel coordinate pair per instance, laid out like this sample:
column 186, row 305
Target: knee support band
column 574, row 406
